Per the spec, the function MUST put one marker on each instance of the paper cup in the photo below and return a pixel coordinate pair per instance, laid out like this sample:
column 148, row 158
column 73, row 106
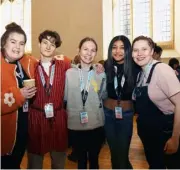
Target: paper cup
column 29, row 83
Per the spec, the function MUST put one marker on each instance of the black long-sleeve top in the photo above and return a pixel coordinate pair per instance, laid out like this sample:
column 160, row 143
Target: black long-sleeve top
column 126, row 92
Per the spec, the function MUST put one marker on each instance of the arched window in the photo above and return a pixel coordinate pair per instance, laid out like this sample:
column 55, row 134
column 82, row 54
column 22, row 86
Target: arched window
column 18, row 11
column 153, row 18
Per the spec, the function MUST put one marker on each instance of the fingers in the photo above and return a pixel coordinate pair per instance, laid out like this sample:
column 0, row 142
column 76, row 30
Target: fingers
column 30, row 96
column 28, row 92
column 31, row 92
column 99, row 68
column 31, row 89
column 170, row 149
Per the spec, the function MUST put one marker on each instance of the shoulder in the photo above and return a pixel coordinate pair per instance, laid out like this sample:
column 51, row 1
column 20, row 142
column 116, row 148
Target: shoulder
column 29, row 61
column 164, row 69
column 71, row 71
column 30, row 58
column 62, row 58
column 165, row 77
column 99, row 76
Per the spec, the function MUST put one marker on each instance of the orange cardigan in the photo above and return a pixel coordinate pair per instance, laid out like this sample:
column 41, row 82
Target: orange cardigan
column 11, row 100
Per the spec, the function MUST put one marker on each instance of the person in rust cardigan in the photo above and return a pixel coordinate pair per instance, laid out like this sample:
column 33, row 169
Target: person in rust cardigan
column 15, row 67
column 47, row 118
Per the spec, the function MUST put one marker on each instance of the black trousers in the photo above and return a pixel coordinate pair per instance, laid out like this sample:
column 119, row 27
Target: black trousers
column 154, row 141
column 87, row 144
column 13, row 161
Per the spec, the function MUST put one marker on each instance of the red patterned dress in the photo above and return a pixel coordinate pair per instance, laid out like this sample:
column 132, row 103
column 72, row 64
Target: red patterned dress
column 47, row 135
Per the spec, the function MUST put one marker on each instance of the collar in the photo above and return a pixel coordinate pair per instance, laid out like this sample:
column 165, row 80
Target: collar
column 79, row 66
column 52, row 62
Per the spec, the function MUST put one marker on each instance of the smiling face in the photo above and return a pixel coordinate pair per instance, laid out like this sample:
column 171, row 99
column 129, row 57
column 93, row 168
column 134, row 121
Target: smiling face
column 14, row 46
column 118, row 51
column 142, row 53
column 87, row 52
column 47, row 47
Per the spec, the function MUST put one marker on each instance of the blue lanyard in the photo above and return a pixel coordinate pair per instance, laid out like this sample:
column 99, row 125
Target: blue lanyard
column 84, row 90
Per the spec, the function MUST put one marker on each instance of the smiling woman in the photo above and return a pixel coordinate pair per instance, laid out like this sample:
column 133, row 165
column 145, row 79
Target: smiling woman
column 87, row 51
column 84, row 92
column 14, row 46
column 14, row 97
column 118, row 109
column 157, row 96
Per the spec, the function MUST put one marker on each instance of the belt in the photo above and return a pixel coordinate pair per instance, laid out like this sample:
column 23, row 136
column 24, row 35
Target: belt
column 111, row 104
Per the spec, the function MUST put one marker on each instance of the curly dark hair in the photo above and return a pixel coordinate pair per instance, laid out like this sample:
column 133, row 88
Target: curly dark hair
column 55, row 37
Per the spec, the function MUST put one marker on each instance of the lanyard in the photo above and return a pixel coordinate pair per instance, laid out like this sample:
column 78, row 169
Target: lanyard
column 46, row 86
column 143, row 75
column 20, row 74
column 100, row 92
column 84, row 91
column 118, row 86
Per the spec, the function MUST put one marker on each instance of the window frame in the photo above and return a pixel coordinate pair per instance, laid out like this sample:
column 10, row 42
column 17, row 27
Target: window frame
column 28, row 31
column 163, row 44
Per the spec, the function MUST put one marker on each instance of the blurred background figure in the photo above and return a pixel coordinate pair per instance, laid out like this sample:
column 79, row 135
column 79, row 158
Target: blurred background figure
column 157, row 52
column 174, row 64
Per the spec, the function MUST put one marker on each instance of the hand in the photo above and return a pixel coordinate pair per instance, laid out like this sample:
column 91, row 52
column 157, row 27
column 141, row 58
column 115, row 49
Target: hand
column 28, row 92
column 59, row 57
column 99, row 68
column 171, row 145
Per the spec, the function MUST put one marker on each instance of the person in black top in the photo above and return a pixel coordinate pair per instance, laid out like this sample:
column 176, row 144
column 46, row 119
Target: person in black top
column 157, row 52
column 118, row 108
column 174, row 64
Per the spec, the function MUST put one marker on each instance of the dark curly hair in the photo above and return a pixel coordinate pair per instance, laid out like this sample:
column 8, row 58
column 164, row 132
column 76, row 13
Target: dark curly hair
column 55, row 37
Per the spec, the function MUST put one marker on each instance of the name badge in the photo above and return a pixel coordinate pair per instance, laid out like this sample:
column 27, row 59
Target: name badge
column 84, row 117
column 49, row 110
column 26, row 106
column 118, row 112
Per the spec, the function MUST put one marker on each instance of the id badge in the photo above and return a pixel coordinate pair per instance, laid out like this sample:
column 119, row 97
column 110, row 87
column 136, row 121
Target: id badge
column 118, row 112
column 26, row 106
column 49, row 110
column 84, row 117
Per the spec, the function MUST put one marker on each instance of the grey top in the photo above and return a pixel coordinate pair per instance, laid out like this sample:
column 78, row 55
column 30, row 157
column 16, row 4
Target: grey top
column 74, row 99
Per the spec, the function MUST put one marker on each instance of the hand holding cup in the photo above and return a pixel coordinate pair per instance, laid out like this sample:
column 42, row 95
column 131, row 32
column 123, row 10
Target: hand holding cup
column 29, row 89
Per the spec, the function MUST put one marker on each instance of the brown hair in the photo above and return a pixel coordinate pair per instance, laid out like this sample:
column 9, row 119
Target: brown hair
column 87, row 39
column 11, row 28
column 76, row 59
column 148, row 39
column 54, row 37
